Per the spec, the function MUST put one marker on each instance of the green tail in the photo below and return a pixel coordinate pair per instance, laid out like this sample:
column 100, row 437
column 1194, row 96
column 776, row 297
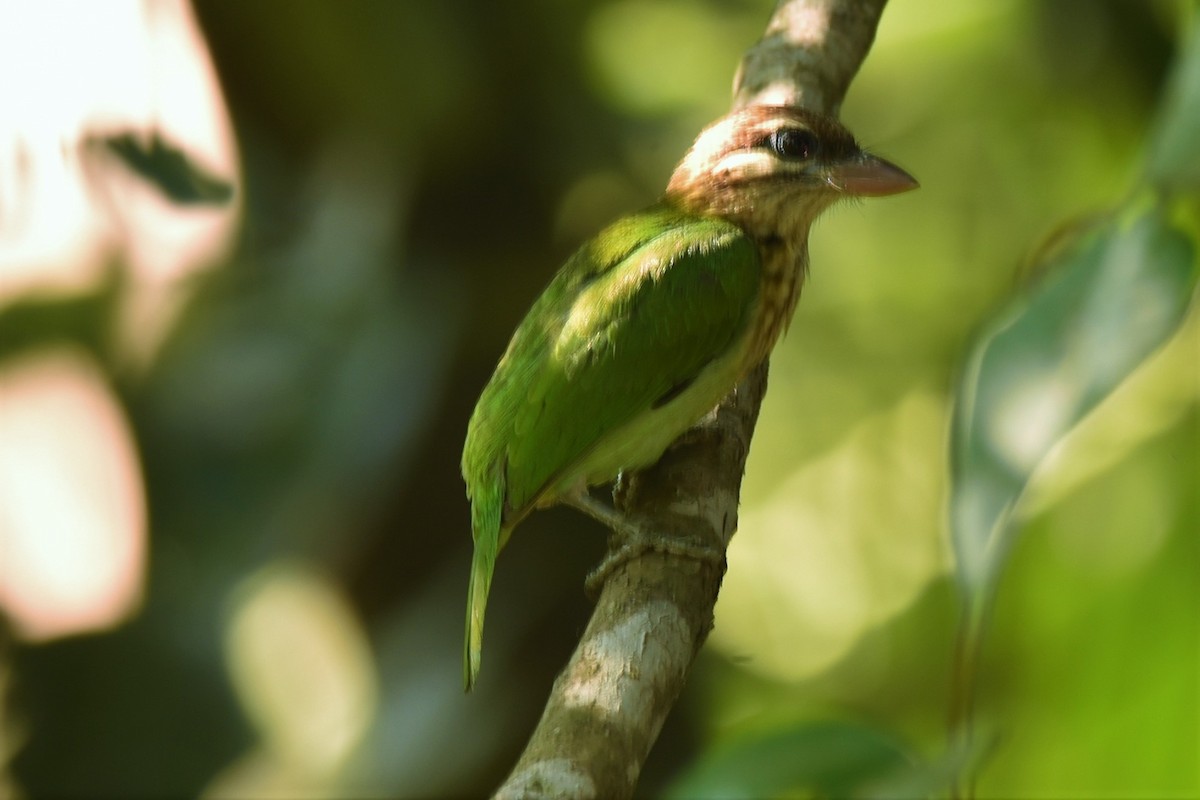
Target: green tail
column 482, row 564
column 486, row 492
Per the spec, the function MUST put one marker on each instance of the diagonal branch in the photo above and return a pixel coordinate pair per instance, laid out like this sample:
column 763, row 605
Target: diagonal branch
column 609, row 703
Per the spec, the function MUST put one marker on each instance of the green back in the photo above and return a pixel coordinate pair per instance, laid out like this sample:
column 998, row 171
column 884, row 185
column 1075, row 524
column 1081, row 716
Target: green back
column 636, row 313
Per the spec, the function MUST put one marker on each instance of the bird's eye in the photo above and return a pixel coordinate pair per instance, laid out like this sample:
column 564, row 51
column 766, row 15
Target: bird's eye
column 793, row 143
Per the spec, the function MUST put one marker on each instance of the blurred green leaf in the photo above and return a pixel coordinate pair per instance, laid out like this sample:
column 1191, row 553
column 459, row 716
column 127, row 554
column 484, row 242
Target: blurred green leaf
column 823, row 759
column 1110, row 297
column 85, row 319
column 1174, row 154
column 1094, row 648
column 173, row 172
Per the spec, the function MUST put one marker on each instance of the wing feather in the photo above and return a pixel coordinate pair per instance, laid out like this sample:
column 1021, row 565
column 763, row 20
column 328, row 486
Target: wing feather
column 632, row 317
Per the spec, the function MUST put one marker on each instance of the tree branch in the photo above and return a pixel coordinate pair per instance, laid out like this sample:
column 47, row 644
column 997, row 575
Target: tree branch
column 810, row 52
column 608, row 705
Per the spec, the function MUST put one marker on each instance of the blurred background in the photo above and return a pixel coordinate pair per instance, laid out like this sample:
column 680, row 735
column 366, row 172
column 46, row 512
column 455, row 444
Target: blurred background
column 258, row 259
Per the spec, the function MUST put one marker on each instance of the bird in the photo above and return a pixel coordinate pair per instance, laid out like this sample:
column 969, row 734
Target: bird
column 651, row 323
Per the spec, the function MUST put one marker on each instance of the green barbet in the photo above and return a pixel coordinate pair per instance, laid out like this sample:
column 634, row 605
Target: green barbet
column 651, row 323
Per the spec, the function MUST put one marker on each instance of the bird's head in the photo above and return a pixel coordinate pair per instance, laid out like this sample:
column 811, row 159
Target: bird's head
column 773, row 169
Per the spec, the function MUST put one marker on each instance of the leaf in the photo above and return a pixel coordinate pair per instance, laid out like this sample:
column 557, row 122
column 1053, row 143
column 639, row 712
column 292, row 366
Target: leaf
column 829, row 759
column 1110, row 297
column 37, row 320
column 1174, row 155
column 172, row 171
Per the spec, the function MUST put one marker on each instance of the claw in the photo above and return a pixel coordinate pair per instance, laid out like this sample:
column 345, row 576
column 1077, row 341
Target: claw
column 638, row 545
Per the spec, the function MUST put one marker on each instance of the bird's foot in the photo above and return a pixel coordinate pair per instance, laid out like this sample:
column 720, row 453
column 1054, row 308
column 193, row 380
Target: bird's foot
column 635, row 543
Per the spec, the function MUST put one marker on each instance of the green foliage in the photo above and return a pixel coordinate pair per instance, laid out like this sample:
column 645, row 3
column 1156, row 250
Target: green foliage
column 83, row 320
column 173, row 172
column 1174, row 161
column 823, row 759
column 1109, row 293
column 413, row 173
column 1109, row 298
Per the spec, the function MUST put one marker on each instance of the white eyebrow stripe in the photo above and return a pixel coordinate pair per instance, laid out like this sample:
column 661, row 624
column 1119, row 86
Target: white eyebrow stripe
column 745, row 164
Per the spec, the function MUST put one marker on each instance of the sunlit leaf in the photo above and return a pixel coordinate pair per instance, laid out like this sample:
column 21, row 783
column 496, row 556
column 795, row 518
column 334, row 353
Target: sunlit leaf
column 809, row 564
column 301, row 665
column 73, row 526
column 1174, row 154
column 828, row 759
column 1109, row 298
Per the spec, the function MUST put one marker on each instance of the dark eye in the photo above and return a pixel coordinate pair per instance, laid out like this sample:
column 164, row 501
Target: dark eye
column 793, row 143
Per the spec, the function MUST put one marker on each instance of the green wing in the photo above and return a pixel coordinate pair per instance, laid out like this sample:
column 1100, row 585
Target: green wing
column 630, row 320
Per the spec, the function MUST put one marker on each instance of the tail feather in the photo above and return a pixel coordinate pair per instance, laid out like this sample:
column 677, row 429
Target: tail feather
column 486, row 492
column 482, row 564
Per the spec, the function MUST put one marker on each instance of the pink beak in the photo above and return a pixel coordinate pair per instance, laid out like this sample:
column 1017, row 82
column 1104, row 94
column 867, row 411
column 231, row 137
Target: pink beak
column 869, row 176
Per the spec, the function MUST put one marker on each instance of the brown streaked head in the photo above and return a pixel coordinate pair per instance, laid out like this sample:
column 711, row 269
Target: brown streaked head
column 773, row 169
